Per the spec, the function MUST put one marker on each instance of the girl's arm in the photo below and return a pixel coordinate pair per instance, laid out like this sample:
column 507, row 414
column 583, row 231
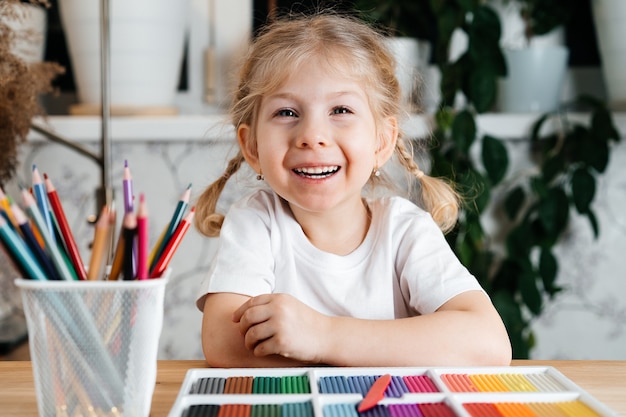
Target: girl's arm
column 465, row 331
column 222, row 342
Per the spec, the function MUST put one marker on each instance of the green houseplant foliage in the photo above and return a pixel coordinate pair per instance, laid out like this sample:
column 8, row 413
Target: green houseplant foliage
column 398, row 17
column 521, row 276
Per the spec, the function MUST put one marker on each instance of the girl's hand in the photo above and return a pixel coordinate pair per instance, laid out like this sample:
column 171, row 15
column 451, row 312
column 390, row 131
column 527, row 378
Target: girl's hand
column 280, row 324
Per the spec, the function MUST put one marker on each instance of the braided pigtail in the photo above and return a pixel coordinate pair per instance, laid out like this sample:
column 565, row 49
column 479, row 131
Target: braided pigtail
column 437, row 196
column 206, row 220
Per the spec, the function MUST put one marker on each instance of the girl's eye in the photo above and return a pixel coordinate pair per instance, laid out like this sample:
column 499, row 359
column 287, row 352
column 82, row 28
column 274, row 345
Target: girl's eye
column 286, row 113
column 341, row 110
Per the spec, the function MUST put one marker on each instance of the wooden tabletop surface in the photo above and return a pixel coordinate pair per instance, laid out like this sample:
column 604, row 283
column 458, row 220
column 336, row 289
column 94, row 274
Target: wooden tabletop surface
column 604, row 380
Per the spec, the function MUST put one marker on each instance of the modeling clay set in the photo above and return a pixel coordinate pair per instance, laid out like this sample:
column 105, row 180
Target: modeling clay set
column 383, row 392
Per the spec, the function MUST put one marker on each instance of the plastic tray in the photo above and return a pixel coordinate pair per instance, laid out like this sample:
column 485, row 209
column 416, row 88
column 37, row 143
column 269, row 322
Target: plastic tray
column 413, row 392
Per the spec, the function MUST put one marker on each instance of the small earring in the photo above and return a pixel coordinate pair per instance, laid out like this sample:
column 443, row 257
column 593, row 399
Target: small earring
column 376, row 172
column 260, row 177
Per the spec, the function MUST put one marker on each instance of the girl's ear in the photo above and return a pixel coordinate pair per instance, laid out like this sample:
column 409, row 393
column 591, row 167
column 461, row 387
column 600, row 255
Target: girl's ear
column 387, row 140
column 248, row 147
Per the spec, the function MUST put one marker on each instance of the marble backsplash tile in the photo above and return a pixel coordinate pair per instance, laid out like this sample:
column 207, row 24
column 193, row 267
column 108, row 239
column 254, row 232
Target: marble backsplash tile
column 586, row 321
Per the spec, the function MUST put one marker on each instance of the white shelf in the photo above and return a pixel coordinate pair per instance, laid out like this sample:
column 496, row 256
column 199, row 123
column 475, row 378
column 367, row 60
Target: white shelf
column 217, row 127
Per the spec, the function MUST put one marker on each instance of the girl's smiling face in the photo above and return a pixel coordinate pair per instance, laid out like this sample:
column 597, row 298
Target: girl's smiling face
column 316, row 140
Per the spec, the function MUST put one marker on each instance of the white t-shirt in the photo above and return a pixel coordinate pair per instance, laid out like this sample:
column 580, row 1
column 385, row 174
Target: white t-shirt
column 403, row 268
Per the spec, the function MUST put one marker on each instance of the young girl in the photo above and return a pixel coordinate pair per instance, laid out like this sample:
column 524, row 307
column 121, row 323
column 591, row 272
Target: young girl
column 311, row 271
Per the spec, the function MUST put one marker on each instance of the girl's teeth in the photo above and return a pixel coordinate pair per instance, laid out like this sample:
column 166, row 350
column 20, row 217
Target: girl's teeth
column 317, row 171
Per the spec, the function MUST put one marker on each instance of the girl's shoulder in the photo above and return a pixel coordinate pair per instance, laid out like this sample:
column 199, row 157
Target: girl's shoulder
column 396, row 206
column 264, row 204
column 399, row 216
column 259, row 199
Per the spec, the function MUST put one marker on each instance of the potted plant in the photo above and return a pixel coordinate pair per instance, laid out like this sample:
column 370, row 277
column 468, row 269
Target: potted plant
column 408, row 25
column 535, row 53
column 518, row 268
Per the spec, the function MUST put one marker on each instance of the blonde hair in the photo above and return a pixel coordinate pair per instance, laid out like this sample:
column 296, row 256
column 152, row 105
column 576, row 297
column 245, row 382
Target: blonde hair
column 342, row 42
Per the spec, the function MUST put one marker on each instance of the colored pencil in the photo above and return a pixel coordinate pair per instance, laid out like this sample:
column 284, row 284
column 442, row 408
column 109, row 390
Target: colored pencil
column 39, row 191
column 31, row 242
column 5, row 206
column 172, row 245
column 129, row 205
column 51, row 247
column 127, row 187
column 65, row 230
column 110, row 243
column 142, row 239
column 118, row 257
column 19, row 253
column 98, row 250
column 179, row 211
column 157, row 246
column 129, row 231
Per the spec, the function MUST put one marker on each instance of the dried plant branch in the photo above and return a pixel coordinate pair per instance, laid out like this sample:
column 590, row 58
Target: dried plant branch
column 21, row 84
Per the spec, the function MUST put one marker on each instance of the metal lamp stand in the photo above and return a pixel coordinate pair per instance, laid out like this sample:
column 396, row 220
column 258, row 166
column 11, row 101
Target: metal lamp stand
column 104, row 193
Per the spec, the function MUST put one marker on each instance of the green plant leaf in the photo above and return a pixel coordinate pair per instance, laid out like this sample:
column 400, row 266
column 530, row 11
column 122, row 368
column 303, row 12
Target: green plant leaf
column 464, row 130
column 468, row 5
column 554, row 211
column 506, row 276
column 451, row 82
column 444, row 118
column 545, row 16
column 514, row 202
column 449, row 17
column 482, row 88
column 602, row 126
column 584, row 146
column 485, row 26
column 475, row 233
column 475, row 189
column 536, row 128
column 511, row 313
column 583, row 189
column 552, row 167
column 465, row 252
column 597, row 153
column 481, row 267
column 594, row 223
column 495, row 158
column 548, row 268
column 519, row 242
column 509, row 310
column 484, row 32
column 530, row 292
column 539, row 187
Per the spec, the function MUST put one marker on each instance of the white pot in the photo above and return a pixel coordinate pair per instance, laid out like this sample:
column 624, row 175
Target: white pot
column 535, row 79
column 411, row 57
column 146, row 49
column 610, row 22
column 513, row 28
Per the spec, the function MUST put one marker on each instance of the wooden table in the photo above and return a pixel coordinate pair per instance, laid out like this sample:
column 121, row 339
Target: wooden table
column 604, row 380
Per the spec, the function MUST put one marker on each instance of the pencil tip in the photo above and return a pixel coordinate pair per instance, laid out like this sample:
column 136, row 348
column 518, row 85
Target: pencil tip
column 45, row 176
column 34, row 167
column 125, row 163
column 189, row 186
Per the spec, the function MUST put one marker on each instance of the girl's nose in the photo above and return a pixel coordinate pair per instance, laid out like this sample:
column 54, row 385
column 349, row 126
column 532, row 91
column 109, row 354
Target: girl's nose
column 312, row 134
